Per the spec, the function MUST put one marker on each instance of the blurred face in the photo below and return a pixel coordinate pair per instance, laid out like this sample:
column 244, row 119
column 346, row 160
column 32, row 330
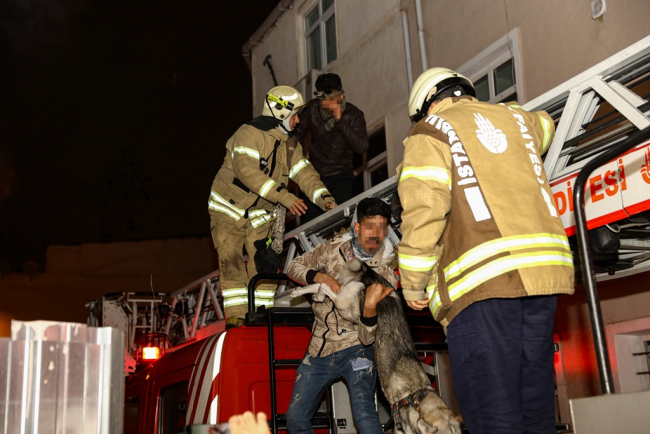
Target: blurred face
column 371, row 233
column 294, row 121
column 331, row 102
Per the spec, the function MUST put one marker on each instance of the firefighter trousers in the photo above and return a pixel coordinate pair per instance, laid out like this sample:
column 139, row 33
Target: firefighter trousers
column 229, row 241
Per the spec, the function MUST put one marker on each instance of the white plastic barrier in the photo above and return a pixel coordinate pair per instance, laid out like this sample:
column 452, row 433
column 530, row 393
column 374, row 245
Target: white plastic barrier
column 61, row 378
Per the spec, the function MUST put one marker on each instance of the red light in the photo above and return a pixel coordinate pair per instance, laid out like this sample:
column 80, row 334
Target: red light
column 150, row 353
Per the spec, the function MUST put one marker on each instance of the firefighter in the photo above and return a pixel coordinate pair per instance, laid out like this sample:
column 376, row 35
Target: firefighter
column 483, row 246
column 261, row 158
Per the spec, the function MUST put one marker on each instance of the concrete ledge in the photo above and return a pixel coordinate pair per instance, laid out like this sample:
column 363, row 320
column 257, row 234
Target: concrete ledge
column 622, row 413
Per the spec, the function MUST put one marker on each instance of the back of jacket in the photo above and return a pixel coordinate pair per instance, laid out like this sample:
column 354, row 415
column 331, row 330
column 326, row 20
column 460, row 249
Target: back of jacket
column 331, row 152
column 478, row 220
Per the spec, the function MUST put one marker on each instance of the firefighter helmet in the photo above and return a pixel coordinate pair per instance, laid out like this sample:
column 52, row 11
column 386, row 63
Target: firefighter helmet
column 434, row 84
column 281, row 101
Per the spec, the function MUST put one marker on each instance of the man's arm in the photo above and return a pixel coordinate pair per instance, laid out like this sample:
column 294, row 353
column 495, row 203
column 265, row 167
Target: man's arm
column 305, row 269
column 425, row 194
column 246, row 164
column 304, row 174
column 354, row 132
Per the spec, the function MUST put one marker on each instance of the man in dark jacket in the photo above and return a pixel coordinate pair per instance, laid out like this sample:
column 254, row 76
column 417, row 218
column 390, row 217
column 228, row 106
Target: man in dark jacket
column 337, row 129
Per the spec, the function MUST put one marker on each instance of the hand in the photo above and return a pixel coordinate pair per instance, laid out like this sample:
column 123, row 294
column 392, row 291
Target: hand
column 419, row 304
column 329, row 281
column 374, row 294
column 246, row 424
column 330, row 205
column 337, row 112
column 298, row 208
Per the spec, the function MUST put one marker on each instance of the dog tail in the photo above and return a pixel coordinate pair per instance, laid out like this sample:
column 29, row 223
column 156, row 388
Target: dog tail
column 355, row 265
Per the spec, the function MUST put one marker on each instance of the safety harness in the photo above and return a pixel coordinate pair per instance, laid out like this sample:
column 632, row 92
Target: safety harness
column 413, row 399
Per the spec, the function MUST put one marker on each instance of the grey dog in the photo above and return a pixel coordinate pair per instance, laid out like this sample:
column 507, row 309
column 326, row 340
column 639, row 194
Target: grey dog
column 400, row 372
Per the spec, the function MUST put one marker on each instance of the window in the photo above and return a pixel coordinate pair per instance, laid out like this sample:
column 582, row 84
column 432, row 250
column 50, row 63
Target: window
column 173, row 409
column 371, row 167
column 496, row 71
column 131, row 407
column 320, row 35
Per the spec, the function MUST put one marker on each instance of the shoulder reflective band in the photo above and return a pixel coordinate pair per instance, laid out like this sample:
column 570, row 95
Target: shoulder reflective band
column 266, row 187
column 248, row 151
column 416, row 263
column 547, row 132
column 425, row 173
column 516, row 242
column 218, row 203
column 505, row 264
column 318, row 193
column 298, row 167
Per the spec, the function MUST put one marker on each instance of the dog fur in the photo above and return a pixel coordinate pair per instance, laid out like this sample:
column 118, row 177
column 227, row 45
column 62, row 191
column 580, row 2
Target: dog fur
column 400, row 371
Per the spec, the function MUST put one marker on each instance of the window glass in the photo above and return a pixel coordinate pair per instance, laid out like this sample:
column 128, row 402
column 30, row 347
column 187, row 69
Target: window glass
column 330, row 39
column 311, row 18
column 482, row 89
column 504, row 77
column 378, row 175
column 173, row 408
column 377, row 143
column 313, row 50
column 326, row 4
column 509, row 98
column 131, row 416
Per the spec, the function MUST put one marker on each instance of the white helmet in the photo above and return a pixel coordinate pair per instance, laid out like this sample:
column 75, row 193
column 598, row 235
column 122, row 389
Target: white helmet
column 435, row 84
column 281, row 101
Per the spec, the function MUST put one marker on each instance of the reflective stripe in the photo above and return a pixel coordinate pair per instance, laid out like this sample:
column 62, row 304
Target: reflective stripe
column 260, row 220
column 248, row 151
column 427, row 173
column 515, row 105
column 235, row 301
column 216, row 207
column 547, row 132
column 416, row 263
column 435, row 304
column 233, row 291
column 298, row 167
column 505, row 264
column 266, row 187
column 318, row 193
column 256, row 212
column 500, row 245
column 264, row 303
column 218, row 200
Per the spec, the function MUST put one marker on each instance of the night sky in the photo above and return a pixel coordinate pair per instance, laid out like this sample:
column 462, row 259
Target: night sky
column 114, row 117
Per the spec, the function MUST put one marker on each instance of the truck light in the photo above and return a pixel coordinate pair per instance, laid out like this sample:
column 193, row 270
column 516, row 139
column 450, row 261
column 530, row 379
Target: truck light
column 150, row 353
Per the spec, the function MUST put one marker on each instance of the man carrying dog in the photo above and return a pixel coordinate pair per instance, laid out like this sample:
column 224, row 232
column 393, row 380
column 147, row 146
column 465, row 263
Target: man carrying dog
column 483, row 246
column 340, row 347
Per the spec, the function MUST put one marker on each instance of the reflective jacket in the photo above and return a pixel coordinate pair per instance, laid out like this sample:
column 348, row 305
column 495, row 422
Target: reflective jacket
column 331, row 152
column 331, row 332
column 478, row 219
column 255, row 174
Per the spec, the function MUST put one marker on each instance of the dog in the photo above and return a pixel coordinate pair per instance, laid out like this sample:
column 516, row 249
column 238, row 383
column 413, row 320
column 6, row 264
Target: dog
column 417, row 409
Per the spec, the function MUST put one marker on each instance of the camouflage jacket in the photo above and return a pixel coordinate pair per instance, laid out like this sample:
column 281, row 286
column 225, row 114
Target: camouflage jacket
column 331, row 332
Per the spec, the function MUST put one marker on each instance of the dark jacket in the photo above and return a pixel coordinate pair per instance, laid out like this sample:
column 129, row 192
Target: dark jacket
column 331, row 151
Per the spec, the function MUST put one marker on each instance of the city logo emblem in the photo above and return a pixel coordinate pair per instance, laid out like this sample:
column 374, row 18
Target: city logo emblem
column 492, row 138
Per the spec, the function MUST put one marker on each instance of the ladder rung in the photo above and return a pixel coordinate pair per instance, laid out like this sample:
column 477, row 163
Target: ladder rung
column 287, row 362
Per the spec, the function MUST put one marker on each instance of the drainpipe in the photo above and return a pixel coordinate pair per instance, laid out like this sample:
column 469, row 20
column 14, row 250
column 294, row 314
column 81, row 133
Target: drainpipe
column 423, row 47
column 266, row 26
column 407, row 48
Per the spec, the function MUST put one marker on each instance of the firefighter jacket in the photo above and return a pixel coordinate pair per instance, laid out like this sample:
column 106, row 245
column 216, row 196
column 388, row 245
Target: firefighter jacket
column 478, row 219
column 260, row 159
column 331, row 332
column 331, row 152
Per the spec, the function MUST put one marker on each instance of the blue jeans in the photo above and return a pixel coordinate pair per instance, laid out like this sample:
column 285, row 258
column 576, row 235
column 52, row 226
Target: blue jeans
column 356, row 365
column 501, row 354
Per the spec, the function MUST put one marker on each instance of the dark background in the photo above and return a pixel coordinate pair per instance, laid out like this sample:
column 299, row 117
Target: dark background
column 114, row 117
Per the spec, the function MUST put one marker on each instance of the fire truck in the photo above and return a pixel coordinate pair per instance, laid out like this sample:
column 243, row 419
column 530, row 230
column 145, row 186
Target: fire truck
column 184, row 369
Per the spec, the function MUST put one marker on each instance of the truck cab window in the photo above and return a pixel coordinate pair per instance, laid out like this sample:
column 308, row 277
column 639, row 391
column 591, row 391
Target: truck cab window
column 173, row 408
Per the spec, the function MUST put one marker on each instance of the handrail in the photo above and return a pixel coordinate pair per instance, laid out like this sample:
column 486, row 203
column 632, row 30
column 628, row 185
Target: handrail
column 253, row 282
column 586, row 259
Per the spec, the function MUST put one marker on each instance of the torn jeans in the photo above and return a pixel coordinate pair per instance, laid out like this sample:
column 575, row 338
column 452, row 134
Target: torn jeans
column 356, row 365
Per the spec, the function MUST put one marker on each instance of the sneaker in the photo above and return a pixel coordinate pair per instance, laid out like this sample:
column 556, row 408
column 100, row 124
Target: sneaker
column 234, row 322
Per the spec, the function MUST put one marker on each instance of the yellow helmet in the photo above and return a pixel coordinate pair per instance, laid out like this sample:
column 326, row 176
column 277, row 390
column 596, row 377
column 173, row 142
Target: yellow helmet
column 434, row 84
column 280, row 101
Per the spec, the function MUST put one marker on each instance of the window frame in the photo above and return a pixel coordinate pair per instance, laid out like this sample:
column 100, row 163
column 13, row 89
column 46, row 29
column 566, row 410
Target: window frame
column 488, row 60
column 319, row 26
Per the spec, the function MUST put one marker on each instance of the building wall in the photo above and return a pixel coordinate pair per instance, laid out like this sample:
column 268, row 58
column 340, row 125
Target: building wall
column 77, row 274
